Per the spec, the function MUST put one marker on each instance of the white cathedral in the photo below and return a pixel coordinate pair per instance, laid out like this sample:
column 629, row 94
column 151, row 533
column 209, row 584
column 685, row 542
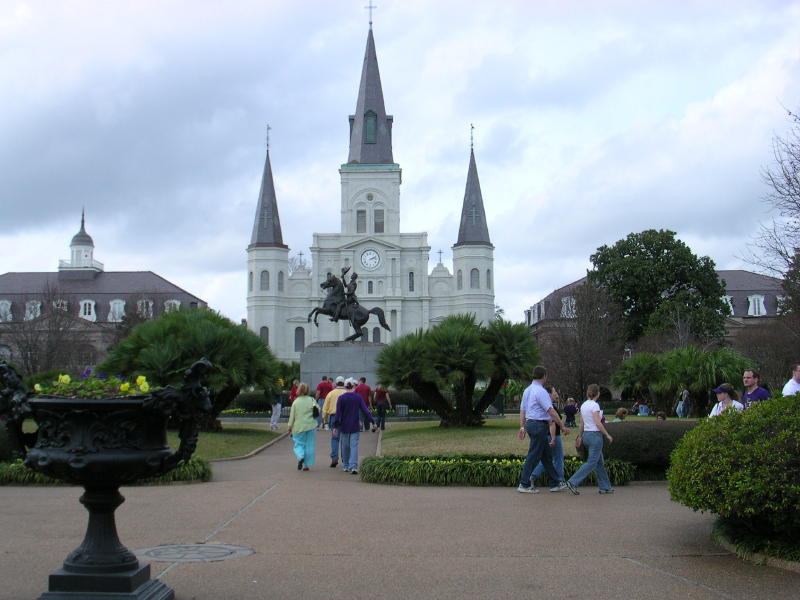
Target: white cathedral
column 392, row 266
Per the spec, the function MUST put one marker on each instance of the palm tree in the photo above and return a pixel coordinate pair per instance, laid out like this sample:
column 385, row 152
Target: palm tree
column 161, row 349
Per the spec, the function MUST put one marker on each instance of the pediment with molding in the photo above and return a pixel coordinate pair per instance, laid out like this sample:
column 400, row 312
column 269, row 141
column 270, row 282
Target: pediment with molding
column 371, row 241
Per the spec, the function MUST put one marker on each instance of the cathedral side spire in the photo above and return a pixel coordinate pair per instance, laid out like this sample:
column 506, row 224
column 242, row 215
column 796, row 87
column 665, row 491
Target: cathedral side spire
column 473, row 229
column 370, row 126
column 267, row 225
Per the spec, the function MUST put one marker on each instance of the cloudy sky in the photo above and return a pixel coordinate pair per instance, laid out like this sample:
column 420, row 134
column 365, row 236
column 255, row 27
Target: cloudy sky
column 592, row 120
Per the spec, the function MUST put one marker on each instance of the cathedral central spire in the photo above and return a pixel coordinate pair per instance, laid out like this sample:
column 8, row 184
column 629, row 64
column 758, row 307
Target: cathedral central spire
column 370, row 126
column 267, row 225
column 473, row 229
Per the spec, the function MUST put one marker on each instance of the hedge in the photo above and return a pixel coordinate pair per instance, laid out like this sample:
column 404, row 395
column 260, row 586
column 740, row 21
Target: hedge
column 5, row 446
column 745, row 467
column 471, row 470
column 195, row 469
column 252, row 402
column 645, row 444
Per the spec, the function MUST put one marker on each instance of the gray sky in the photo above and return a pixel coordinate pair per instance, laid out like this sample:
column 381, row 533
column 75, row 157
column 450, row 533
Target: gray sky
column 593, row 120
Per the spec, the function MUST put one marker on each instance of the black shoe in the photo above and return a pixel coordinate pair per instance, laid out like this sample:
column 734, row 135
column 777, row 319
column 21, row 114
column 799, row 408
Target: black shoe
column 334, row 462
column 299, row 464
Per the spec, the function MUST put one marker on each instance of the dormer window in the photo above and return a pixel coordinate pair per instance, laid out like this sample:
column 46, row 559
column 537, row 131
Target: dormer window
column 568, row 307
column 370, row 127
column 755, row 306
column 144, row 308
column 728, row 300
column 172, row 305
column 61, row 304
column 33, row 309
column 117, row 311
column 6, row 316
column 87, row 310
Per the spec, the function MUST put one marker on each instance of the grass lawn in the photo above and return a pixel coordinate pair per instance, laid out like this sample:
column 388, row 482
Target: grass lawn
column 496, row 436
column 233, row 440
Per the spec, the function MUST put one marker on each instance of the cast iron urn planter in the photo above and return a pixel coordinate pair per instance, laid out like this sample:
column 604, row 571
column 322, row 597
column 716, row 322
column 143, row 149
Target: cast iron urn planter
column 101, row 444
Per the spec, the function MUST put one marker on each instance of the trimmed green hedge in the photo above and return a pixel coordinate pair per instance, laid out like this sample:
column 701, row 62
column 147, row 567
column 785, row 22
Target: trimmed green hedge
column 471, row 470
column 745, row 467
column 252, row 402
column 645, row 444
column 195, row 469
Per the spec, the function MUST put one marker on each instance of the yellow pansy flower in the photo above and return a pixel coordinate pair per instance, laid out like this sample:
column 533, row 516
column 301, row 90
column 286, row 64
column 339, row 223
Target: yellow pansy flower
column 64, row 379
column 144, row 386
column 37, row 388
column 140, row 380
column 124, row 387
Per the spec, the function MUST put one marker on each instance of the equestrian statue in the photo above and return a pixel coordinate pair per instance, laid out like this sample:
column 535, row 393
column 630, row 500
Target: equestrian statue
column 342, row 303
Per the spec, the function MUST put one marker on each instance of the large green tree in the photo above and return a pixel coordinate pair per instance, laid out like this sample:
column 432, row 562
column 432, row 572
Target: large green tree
column 660, row 284
column 444, row 364
column 161, row 349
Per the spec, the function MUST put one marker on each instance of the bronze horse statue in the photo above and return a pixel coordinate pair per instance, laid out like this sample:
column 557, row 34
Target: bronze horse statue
column 337, row 306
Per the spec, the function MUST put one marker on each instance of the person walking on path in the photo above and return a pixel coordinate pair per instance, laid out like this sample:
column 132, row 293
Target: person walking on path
column 753, row 392
column 591, row 434
column 726, row 399
column 382, row 403
column 303, row 427
column 792, row 386
column 363, row 390
column 347, row 423
column 535, row 413
column 556, row 447
column 323, row 387
column 277, row 402
column 328, row 412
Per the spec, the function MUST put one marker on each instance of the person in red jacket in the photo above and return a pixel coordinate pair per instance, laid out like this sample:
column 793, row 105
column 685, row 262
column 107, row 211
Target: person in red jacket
column 323, row 387
column 363, row 390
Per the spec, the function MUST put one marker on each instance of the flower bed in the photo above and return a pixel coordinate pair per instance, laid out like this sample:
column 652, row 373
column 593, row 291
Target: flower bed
column 471, row 470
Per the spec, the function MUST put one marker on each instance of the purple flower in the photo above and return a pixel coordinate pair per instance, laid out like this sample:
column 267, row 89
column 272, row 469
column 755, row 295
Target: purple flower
column 87, row 373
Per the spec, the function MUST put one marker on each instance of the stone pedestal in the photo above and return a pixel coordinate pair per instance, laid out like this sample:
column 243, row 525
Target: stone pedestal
column 348, row 359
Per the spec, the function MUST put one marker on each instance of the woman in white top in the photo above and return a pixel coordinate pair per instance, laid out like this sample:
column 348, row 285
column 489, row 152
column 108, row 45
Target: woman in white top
column 726, row 399
column 591, row 435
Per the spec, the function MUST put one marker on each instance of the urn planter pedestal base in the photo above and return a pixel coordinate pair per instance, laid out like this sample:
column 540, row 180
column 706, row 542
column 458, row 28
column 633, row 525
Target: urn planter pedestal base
column 128, row 585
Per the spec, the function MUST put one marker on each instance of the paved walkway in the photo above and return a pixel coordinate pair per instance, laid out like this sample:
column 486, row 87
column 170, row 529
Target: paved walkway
column 325, row 534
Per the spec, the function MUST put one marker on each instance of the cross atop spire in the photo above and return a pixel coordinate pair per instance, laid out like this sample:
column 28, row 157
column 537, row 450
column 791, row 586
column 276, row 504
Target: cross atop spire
column 471, row 141
column 268, row 129
column 440, row 257
column 370, row 7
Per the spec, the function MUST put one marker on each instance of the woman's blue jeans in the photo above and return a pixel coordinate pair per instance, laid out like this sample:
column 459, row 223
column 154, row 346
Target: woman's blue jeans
column 593, row 440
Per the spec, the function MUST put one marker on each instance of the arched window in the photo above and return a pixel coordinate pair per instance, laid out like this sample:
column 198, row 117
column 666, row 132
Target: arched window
column 361, row 221
column 376, row 335
column 411, row 281
column 264, row 333
column 378, row 220
column 250, row 281
column 370, row 287
column 488, row 279
column 474, row 279
column 299, row 339
column 280, row 281
column 459, row 280
column 364, row 333
column 370, row 127
column 264, row 280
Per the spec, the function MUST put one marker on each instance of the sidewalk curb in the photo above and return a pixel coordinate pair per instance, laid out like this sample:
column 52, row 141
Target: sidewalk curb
column 253, row 452
column 755, row 557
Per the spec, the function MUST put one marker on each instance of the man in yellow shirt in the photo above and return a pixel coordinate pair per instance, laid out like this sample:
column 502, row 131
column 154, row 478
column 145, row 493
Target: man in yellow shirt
column 328, row 410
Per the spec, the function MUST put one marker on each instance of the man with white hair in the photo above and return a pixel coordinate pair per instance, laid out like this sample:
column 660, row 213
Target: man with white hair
column 347, row 423
column 792, row 386
column 328, row 413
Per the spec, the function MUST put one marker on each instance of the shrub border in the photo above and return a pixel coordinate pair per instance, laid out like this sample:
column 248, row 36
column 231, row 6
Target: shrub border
column 195, row 470
column 470, row 470
column 721, row 537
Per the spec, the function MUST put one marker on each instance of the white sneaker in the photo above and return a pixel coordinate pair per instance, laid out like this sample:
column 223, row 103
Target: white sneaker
column 527, row 490
column 559, row 488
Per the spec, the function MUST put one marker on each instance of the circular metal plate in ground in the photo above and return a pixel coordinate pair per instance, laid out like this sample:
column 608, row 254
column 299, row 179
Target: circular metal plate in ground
column 193, row 552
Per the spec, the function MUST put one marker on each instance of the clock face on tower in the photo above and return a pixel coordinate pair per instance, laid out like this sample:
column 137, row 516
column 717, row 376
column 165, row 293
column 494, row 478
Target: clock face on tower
column 370, row 259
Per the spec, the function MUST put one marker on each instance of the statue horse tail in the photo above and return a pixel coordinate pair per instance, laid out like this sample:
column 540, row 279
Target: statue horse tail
column 381, row 317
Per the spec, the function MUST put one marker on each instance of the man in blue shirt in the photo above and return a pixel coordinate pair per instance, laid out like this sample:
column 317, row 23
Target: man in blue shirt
column 347, row 421
column 535, row 414
column 752, row 391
